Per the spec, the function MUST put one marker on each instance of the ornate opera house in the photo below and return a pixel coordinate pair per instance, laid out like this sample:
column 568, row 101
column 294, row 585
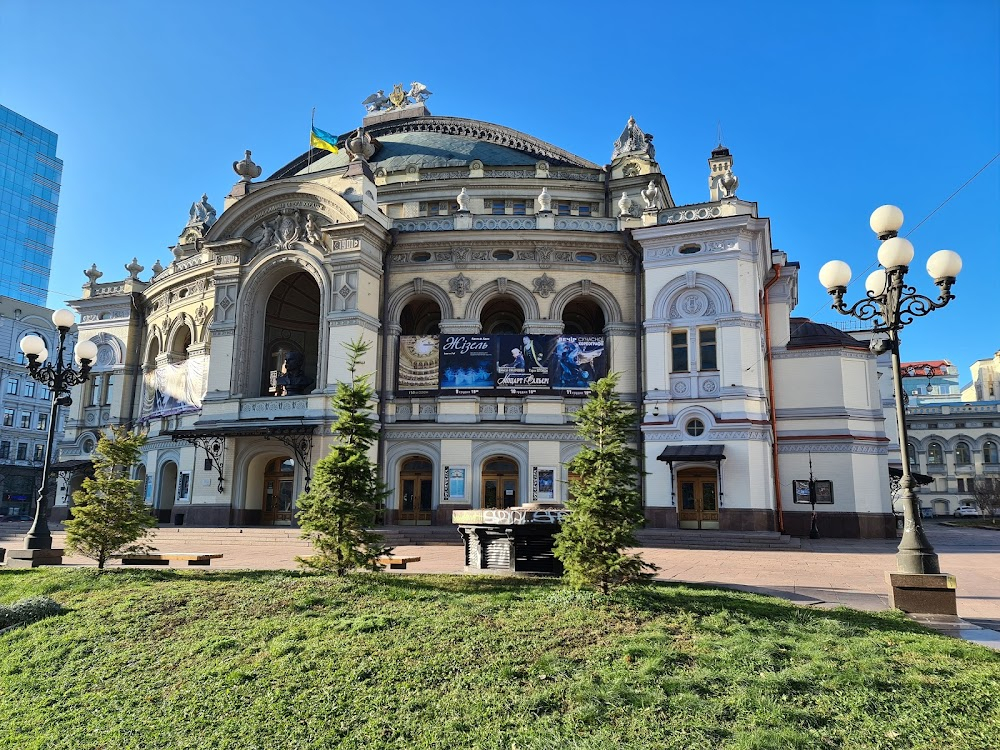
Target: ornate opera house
column 496, row 277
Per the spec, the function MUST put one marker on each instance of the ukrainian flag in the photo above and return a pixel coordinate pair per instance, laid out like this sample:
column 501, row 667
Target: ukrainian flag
column 321, row 139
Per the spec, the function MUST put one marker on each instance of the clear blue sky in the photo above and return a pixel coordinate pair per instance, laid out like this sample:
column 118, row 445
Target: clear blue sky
column 830, row 109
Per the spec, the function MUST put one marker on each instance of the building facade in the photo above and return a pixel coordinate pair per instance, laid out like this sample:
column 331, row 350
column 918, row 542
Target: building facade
column 30, row 176
column 496, row 276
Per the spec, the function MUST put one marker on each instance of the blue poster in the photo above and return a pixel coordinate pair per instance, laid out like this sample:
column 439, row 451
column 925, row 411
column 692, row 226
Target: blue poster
column 575, row 362
column 466, row 363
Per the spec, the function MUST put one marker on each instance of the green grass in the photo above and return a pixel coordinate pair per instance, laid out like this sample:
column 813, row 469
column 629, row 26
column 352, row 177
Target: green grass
column 164, row 659
column 979, row 523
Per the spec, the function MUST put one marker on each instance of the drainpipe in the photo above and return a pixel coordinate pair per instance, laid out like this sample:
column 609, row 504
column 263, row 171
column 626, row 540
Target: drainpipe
column 639, row 371
column 386, row 354
column 779, row 515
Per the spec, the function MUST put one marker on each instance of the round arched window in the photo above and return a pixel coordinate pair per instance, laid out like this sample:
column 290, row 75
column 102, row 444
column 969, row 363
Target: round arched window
column 694, row 427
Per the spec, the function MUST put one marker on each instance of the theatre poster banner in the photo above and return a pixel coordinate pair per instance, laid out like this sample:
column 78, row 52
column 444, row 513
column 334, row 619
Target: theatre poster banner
column 174, row 388
column 505, row 364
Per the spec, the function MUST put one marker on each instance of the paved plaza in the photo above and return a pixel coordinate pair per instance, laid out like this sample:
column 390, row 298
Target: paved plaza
column 824, row 572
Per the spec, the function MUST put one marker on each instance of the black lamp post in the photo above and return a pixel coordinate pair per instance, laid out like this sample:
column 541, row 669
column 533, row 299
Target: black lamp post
column 891, row 305
column 60, row 377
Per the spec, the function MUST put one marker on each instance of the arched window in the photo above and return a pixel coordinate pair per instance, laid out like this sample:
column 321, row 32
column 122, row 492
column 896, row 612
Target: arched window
column 502, row 315
column 291, row 336
column 180, row 343
column 421, row 317
column 583, row 316
column 990, row 452
column 911, row 449
column 935, row 455
column 963, row 455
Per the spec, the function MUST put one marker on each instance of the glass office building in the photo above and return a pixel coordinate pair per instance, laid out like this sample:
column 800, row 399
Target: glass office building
column 30, row 175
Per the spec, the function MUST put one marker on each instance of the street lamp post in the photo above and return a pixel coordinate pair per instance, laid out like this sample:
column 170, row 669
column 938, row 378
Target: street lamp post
column 60, row 377
column 891, row 305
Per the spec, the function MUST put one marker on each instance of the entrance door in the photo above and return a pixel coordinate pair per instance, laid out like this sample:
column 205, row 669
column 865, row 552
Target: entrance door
column 415, row 502
column 698, row 499
column 499, row 483
column 279, row 479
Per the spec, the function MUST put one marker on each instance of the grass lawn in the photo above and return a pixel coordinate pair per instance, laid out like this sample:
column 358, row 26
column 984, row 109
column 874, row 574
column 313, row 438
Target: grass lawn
column 165, row 659
column 979, row 523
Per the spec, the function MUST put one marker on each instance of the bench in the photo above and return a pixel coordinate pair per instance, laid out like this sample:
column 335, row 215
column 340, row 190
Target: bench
column 398, row 563
column 164, row 558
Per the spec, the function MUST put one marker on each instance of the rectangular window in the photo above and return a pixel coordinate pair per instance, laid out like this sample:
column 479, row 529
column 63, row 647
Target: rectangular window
column 29, row 388
column 678, row 351
column 43, row 421
column 25, row 420
column 43, row 393
column 563, row 209
column 5, row 449
column 96, row 382
column 960, row 425
column 584, row 209
column 961, row 485
column 12, row 387
column 706, row 349
column 8, row 417
column 520, row 208
column 497, row 207
column 39, row 452
column 109, row 389
column 22, row 451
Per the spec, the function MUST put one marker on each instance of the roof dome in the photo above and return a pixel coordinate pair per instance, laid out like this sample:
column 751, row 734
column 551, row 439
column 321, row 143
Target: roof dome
column 434, row 142
column 806, row 333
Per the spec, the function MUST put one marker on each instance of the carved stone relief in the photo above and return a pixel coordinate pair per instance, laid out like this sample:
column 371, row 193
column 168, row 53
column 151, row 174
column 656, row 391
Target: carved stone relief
column 459, row 285
column 543, row 285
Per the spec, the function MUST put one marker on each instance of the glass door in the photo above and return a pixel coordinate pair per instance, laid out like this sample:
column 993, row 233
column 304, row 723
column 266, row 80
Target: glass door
column 697, row 494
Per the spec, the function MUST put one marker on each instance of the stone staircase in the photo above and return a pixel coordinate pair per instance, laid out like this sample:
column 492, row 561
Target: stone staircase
column 721, row 540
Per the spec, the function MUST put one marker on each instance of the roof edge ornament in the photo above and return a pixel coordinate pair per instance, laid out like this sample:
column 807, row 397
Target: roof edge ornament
column 397, row 99
column 633, row 141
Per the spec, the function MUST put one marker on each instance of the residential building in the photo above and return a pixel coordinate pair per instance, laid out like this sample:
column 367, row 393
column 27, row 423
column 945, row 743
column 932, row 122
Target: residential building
column 496, row 276
column 30, row 176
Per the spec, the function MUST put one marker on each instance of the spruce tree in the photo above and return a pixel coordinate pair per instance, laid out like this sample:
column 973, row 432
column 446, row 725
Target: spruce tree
column 109, row 512
column 605, row 504
column 342, row 504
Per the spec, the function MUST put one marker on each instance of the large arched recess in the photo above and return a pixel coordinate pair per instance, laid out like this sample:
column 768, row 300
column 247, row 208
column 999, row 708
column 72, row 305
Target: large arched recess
column 264, row 276
column 588, row 291
column 502, row 288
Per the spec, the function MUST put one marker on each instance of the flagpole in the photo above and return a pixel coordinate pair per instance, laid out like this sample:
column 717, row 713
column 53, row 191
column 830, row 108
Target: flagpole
column 312, row 124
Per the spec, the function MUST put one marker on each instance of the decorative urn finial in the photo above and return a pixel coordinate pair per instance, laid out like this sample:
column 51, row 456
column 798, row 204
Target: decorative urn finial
column 93, row 275
column 134, row 269
column 246, row 169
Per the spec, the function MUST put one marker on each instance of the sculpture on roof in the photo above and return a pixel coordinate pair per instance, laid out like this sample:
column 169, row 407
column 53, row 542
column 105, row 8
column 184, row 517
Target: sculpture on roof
column 728, row 184
column 376, row 101
column 633, row 141
column 418, row 92
column 201, row 214
column 397, row 98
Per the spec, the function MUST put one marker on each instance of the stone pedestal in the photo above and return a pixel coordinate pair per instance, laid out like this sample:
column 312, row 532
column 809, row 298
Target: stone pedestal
column 33, row 558
column 925, row 593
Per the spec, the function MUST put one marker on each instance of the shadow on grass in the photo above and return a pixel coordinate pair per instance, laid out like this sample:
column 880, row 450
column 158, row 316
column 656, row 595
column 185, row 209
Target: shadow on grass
column 652, row 598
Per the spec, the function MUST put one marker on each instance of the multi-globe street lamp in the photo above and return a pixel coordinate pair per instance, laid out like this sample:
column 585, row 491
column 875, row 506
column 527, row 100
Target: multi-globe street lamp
column 891, row 305
column 60, row 377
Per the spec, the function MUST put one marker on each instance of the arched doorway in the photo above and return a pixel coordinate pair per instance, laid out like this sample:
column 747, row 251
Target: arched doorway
column 166, row 492
column 416, row 482
column 291, row 325
column 500, row 480
column 279, row 483
column 698, row 498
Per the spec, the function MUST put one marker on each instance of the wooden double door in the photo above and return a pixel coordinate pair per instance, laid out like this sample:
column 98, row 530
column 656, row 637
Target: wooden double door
column 698, row 499
column 416, row 484
column 500, row 477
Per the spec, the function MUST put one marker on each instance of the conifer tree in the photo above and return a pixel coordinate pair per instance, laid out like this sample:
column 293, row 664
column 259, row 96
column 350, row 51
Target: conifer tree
column 605, row 505
column 109, row 512
column 342, row 504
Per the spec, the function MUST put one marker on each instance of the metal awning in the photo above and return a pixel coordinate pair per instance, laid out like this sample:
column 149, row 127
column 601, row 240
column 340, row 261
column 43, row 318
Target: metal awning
column 896, row 472
column 695, row 452
column 296, row 435
column 77, row 464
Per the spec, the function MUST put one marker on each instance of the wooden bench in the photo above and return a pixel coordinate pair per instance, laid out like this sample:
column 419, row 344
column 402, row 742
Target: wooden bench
column 164, row 558
column 398, row 563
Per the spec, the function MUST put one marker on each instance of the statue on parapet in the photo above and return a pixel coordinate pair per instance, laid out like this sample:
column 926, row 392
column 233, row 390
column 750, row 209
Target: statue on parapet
column 418, row 92
column 376, row 101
